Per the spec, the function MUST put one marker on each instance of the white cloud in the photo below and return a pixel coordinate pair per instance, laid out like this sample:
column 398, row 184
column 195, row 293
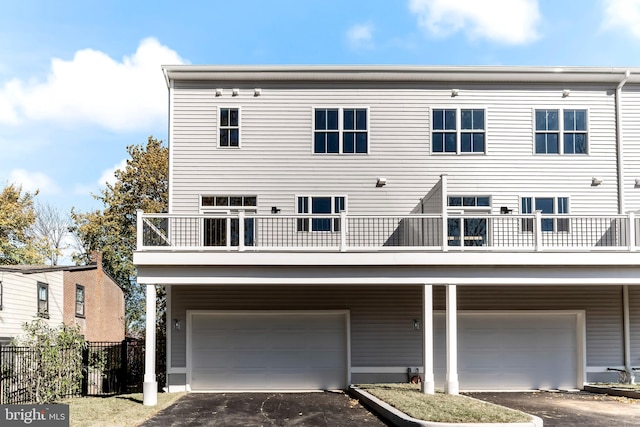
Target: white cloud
column 32, row 181
column 622, row 14
column 503, row 21
column 360, row 36
column 108, row 175
column 93, row 88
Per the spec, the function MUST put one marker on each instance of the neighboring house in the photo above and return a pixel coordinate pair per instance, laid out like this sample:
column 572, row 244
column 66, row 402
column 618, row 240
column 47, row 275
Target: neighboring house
column 84, row 295
column 28, row 292
column 331, row 225
column 94, row 302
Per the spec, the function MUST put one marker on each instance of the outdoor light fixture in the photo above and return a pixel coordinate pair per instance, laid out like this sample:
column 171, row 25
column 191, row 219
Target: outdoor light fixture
column 637, row 182
column 416, row 325
column 219, row 92
column 235, row 92
column 176, row 324
column 381, row 182
column 505, row 210
column 275, row 210
column 595, row 181
column 565, row 93
column 257, row 92
column 455, row 92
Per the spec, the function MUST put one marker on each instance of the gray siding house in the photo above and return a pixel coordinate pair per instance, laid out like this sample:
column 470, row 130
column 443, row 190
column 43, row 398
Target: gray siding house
column 334, row 225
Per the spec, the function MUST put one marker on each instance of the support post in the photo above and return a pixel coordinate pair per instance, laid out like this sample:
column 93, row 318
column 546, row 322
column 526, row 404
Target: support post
column 452, row 385
column 538, row 230
column 428, row 381
column 627, row 335
column 139, row 230
column 632, row 232
column 150, row 386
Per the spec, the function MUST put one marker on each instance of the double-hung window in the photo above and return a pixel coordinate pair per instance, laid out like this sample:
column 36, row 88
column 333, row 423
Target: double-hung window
column 340, row 131
column 547, row 206
column 229, row 128
column 80, row 300
column 43, row 299
column 458, row 130
column 313, row 207
column 561, row 131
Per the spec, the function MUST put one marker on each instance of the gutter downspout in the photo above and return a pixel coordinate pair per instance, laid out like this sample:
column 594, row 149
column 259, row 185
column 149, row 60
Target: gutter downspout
column 621, row 210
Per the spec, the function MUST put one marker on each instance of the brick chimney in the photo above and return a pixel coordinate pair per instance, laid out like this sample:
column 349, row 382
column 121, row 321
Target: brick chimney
column 96, row 258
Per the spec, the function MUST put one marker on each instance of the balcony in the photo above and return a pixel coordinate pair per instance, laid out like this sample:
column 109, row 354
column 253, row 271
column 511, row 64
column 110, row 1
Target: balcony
column 243, row 232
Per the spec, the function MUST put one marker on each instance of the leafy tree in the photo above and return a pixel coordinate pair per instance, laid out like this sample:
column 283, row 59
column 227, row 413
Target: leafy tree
column 53, row 369
column 18, row 244
column 142, row 184
column 52, row 227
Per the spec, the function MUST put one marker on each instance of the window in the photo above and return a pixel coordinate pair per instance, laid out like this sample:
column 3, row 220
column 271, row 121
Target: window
column 469, row 201
column 340, row 131
column 43, row 299
column 215, row 229
column 319, row 205
column 229, row 127
column 79, row 301
column 549, row 206
column 551, row 127
column 450, row 135
column 474, row 229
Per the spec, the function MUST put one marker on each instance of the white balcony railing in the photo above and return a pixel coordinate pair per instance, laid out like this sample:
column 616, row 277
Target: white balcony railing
column 245, row 232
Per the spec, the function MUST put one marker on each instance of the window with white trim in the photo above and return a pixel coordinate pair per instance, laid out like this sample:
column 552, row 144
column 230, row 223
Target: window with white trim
column 80, row 300
column 561, row 131
column 43, row 300
column 340, row 131
column 458, row 130
column 313, row 207
column 474, row 229
column 229, row 128
column 547, row 206
column 215, row 229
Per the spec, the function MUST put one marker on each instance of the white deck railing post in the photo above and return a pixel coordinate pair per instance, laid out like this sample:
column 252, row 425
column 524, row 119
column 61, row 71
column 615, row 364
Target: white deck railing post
column 631, row 227
column 241, row 231
column 538, row 230
column 445, row 231
column 343, row 231
column 139, row 233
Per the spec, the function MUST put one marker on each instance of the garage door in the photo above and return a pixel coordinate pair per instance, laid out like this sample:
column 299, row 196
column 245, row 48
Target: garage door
column 268, row 351
column 512, row 351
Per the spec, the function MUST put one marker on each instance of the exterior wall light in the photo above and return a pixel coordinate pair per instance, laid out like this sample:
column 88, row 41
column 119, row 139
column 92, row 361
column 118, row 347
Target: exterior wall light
column 455, row 92
column 235, row 92
column 637, row 182
column 275, row 210
column 381, row 182
column 257, row 92
column 565, row 93
column 416, row 325
column 219, row 92
column 176, row 324
column 595, row 181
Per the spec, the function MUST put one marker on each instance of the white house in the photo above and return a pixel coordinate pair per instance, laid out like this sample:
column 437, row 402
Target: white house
column 334, row 225
column 29, row 292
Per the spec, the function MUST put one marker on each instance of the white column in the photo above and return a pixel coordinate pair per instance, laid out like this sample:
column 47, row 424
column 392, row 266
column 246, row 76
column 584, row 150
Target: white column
column 428, row 381
column 150, row 386
column 452, row 385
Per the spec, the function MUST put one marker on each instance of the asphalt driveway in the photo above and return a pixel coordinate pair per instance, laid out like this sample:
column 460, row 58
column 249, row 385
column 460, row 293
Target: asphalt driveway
column 570, row 408
column 333, row 409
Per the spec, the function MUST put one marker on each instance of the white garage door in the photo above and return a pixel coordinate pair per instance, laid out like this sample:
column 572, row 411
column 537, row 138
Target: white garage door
column 512, row 351
column 268, row 351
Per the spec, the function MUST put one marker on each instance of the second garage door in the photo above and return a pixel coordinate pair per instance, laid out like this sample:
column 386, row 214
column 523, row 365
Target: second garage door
column 268, row 350
column 512, row 351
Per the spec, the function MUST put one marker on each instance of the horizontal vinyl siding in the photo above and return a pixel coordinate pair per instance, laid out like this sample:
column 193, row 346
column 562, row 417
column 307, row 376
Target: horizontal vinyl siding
column 630, row 102
column 275, row 160
column 382, row 331
column 20, row 303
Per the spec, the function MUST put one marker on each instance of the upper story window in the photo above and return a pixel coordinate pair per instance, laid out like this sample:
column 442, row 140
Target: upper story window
column 233, row 202
column 469, row 201
column 320, row 205
column 229, row 125
column 79, row 301
column 458, row 131
column 340, row 131
column 561, row 131
column 43, row 299
column 547, row 205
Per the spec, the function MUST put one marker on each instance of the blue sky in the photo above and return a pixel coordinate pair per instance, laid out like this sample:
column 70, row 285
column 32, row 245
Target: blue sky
column 81, row 80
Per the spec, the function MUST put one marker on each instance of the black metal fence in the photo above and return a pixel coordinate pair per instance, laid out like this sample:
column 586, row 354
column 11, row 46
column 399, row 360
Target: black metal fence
column 107, row 368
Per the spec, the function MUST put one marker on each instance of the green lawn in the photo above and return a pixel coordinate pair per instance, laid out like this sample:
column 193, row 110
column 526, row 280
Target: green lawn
column 122, row 410
column 441, row 407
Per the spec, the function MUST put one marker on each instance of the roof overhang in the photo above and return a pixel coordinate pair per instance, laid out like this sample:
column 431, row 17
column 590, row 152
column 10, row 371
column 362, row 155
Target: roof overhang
column 395, row 73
